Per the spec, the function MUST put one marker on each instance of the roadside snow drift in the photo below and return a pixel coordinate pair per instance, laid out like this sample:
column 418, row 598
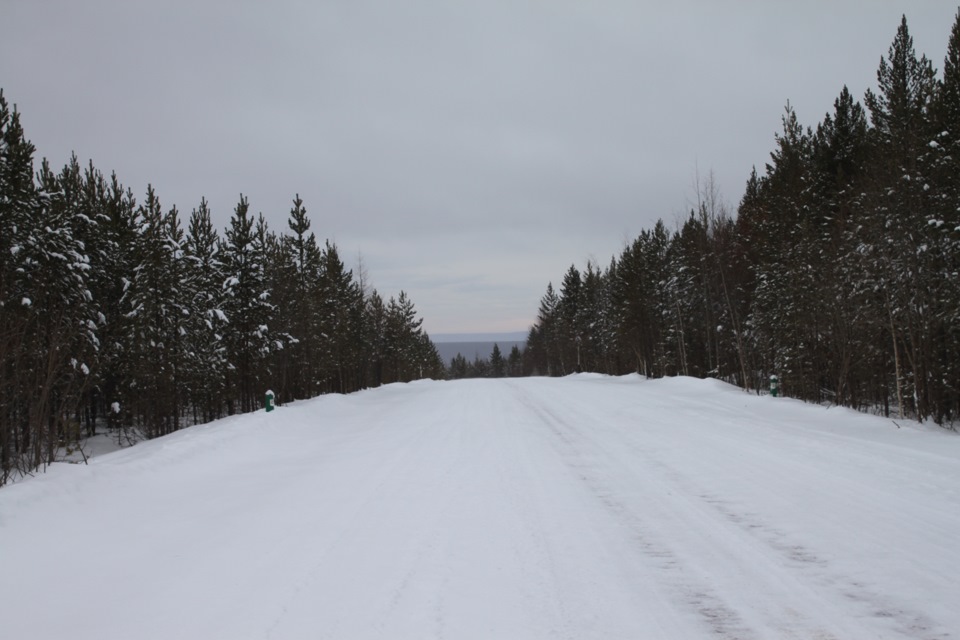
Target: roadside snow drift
column 584, row 507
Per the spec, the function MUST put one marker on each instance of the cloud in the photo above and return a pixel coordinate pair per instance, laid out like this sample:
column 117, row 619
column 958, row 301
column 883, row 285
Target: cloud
column 470, row 151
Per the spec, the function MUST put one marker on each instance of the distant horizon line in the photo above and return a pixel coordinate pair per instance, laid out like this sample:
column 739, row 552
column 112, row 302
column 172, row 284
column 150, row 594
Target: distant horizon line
column 489, row 336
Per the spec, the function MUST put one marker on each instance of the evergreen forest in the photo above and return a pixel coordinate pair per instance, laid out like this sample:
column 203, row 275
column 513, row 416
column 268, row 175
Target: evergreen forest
column 130, row 317
column 838, row 273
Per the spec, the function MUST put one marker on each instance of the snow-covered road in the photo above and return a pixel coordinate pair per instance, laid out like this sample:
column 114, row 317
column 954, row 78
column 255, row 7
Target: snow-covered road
column 585, row 507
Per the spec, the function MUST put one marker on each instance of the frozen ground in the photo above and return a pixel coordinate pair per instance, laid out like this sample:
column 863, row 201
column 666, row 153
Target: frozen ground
column 585, row 507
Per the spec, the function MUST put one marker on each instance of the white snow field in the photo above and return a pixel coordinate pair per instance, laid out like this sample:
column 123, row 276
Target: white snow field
column 583, row 507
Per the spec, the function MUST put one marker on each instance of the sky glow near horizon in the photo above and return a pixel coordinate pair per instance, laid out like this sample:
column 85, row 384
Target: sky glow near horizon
column 468, row 152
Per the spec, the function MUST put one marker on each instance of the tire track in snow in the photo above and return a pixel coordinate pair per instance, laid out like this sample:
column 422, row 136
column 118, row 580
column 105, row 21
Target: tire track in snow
column 802, row 559
column 392, row 480
column 694, row 595
column 704, row 508
column 533, row 551
column 811, row 566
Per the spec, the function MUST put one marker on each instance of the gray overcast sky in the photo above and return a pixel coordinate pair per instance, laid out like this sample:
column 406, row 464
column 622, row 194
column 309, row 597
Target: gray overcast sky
column 469, row 151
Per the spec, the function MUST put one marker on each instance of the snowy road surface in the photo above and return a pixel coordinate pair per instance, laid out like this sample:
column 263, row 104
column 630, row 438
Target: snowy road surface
column 584, row 507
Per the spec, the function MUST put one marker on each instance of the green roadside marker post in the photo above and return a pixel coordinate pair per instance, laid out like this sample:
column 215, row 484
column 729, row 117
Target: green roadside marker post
column 774, row 386
column 268, row 401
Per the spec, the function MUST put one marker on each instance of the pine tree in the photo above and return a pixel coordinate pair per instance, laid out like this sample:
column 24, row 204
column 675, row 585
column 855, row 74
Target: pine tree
column 207, row 321
column 59, row 340
column 943, row 228
column 630, row 299
column 903, row 269
column 19, row 203
column 402, row 333
column 479, row 368
column 247, row 308
column 337, row 321
column 458, row 367
column 515, row 362
column 120, row 231
column 158, row 311
column 640, row 300
column 497, row 363
column 428, row 358
column 785, row 278
column 544, row 339
column 657, row 273
column 376, row 338
column 590, row 356
column 301, row 298
column 839, row 153
column 569, row 332
column 681, row 290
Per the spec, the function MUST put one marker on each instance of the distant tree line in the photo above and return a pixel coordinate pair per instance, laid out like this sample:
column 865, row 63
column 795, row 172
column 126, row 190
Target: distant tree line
column 120, row 314
column 840, row 272
column 496, row 366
